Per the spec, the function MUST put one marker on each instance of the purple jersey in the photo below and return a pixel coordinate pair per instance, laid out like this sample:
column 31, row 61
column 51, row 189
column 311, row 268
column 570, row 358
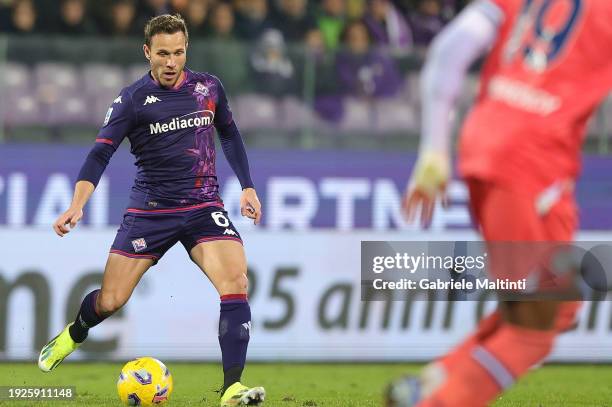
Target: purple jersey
column 172, row 137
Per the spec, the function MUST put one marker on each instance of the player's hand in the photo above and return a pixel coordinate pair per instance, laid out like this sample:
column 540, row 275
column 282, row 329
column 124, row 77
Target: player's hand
column 250, row 205
column 71, row 217
column 427, row 184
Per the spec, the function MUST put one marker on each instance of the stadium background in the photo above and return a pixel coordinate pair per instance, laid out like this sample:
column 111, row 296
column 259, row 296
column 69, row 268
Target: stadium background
column 326, row 96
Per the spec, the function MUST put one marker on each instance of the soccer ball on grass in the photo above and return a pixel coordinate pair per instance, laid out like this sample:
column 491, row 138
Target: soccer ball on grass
column 144, row 382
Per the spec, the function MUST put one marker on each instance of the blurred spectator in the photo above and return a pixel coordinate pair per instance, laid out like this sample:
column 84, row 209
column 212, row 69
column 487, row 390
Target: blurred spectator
column 23, row 18
column 355, row 9
column 314, row 42
column 293, row 19
column 427, row 21
column 179, row 6
column 387, row 25
column 148, row 9
column 123, row 19
column 272, row 71
column 195, row 14
column 152, row 8
column 362, row 70
column 222, row 21
column 331, row 21
column 5, row 17
column 251, row 18
column 74, row 20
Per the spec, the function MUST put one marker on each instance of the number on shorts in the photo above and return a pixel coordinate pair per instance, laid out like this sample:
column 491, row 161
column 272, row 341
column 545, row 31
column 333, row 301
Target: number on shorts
column 220, row 219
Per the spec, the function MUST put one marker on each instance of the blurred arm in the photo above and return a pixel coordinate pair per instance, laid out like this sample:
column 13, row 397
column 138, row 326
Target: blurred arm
column 455, row 49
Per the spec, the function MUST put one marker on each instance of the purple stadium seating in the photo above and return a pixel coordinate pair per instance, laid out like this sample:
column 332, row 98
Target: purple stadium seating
column 296, row 115
column 22, row 108
column 135, row 72
column 16, row 78
column 54, row 80
column 256, row 111
column 103, row 78
column 358, row 115
column 70, row 109
column 395, row 115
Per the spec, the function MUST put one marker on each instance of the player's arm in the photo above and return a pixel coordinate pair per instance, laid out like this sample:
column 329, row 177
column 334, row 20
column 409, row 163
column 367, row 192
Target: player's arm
column 467, row 38
column 235, row 153
column 117, row 124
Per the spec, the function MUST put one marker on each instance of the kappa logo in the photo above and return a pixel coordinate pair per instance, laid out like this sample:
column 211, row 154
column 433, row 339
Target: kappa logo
column 229, row 232
column 150, row 100
column 247, row 326
column 201, row 89
column 118, row 100
column 139, row 244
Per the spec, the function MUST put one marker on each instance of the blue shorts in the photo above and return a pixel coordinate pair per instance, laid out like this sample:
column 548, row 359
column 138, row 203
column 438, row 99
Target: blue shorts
column 150, row 233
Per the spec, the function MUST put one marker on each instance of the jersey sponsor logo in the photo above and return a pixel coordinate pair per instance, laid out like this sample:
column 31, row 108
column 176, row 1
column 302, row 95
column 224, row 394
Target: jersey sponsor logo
column 522, row 96
column 108, row 116
column 139, row 244
column 201, row 118
column 118, row 100
column 202, row 89
column 229, row 232
column 150, row 100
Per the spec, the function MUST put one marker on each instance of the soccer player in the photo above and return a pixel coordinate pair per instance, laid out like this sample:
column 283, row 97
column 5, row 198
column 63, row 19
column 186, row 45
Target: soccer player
column 548, row 66
column 168, row 115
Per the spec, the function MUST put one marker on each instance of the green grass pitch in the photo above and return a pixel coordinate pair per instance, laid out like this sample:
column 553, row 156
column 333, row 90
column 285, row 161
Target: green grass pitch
column 289, row 385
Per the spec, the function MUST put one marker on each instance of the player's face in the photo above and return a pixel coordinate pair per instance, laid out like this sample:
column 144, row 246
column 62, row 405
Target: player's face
column 167, row 54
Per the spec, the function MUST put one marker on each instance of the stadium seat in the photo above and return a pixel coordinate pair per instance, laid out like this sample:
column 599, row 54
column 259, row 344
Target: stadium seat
column 358, row 115
column 296, row 115
column 395, row 115
column 103, row 78
column 54, row 80
column 412, row 88
column 135, row 72
column 256, row 112
column 72, row 109
column 16, row 77
column 22, row 108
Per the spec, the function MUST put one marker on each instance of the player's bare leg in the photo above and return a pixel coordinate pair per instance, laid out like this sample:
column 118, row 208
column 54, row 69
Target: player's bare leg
column 224, row 262
column 121, row 275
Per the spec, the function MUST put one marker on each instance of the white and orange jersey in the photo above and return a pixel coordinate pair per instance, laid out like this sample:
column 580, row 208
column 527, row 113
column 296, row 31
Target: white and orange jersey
column 549, row 69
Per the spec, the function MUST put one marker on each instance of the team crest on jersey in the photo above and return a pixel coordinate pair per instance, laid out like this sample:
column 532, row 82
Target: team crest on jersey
column 108, row 116
column 139, row 244
column 202, row 89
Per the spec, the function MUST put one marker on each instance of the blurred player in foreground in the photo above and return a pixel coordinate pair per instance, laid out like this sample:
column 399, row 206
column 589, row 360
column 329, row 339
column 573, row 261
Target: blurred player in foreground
column 549, row 65
column 168, row 116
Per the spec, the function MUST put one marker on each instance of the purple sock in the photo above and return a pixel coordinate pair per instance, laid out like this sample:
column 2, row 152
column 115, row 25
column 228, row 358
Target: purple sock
column 234, row 334
column 86, row 318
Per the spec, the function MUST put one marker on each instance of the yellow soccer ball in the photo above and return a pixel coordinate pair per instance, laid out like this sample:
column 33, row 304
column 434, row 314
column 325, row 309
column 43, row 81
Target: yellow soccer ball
column 144, row 382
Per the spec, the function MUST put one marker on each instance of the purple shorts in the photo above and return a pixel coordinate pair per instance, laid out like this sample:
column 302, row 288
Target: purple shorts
column 149, row 234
